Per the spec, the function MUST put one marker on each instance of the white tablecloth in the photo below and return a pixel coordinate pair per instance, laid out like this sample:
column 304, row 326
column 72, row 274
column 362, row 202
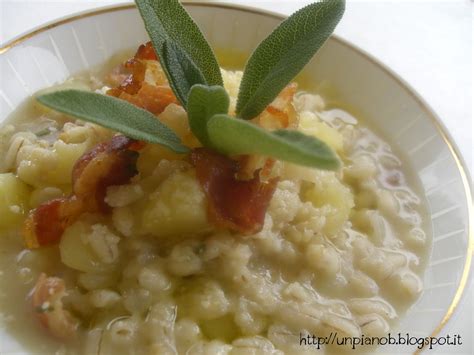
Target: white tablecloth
column 428, row 43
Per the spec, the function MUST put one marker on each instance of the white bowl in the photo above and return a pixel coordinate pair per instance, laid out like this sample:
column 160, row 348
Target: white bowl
column 54, row 52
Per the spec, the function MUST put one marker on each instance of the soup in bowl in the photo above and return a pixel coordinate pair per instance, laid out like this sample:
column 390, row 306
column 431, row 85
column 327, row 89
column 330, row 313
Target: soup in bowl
column 160, row 254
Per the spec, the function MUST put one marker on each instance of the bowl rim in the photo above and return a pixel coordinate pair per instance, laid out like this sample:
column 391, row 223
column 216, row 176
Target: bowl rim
column 433, row 116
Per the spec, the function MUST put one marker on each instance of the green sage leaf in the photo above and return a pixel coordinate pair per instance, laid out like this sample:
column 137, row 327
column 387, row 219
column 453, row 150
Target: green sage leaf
column 233, row 136
column 166, row 21
column 284, row 53
column 203, row 103
column 185, row 72
column 115, row 114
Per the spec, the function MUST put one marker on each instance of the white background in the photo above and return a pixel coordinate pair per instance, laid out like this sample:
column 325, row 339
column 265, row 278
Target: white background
column 428, row 43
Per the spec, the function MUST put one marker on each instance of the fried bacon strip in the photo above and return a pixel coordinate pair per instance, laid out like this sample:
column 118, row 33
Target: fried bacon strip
column 146, row 51
column 46, row 223
column 48, row 308
column 239, row 192
column 133, row 81
column 234, row 204
column 280, row 113
column 153, row 97
column 136, row 67
column 109, row 163
column 150, row 97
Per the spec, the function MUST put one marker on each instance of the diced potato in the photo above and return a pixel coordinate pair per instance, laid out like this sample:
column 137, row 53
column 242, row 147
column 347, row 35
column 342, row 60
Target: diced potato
column 232, row 83
column 311, row 125
column 330, row 192
column 123, row 195
column 33, row 161
column 14, row 196
column 89, row 133
column 39, row 166
column 78, row 253
column 175, row 117
column 151, row 156
column 154, row 74
column 176, row 208
column 67, row 155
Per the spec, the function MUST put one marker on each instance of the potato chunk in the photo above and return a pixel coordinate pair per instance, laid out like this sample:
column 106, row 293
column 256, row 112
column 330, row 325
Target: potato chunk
column 311, row 125
column 335, row 199
column 39, row 166
column 89, row 248
column 177, row 207
column 14, row 195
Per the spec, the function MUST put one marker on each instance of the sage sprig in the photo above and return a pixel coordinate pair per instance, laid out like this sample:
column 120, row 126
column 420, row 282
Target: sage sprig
column 233, row 136
column 185, row 73
column 282, row 55
column 194, row 76
column 203, row 103
column 115, row 114
column 175, row 35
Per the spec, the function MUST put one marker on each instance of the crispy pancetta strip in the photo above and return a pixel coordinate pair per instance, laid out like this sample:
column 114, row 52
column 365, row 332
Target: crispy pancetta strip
column 136, row 68
column 46, row 299
column 109, row 163
column 152, row 96
column 46, row 223
column 133, row 81
column 280, row 113
column 233, row 204
column 146, row 52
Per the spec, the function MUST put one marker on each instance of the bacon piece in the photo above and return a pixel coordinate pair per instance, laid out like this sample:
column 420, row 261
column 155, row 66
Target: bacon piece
column 280, row 113
column 136, row 67
column 109, row 163
column 46, row 224
column 154, row 96
column 48, row 308
column 233, row 204
column 146, row 51
column 150, row 97
column 133, row 81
